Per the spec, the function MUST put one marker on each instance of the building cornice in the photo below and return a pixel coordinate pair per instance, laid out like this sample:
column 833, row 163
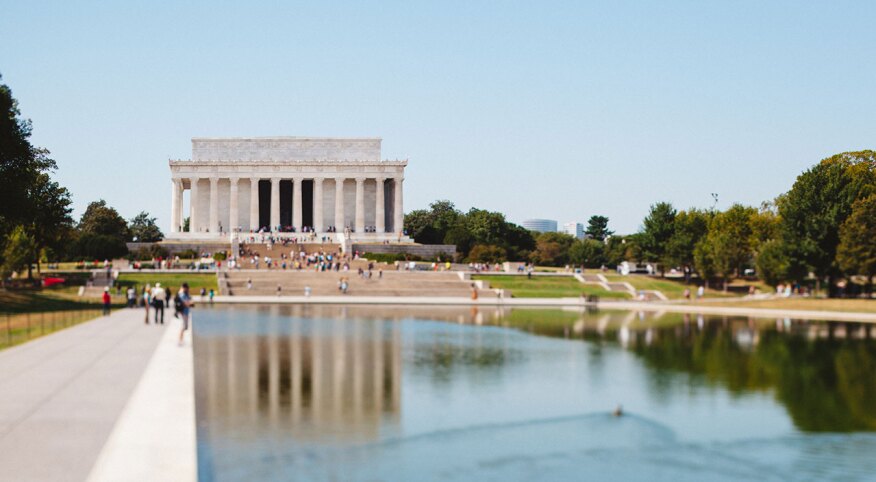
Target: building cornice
column 291, row 162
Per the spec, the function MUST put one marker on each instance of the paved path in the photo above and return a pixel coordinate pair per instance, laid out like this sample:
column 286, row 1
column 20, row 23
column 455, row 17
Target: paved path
column 60, row 395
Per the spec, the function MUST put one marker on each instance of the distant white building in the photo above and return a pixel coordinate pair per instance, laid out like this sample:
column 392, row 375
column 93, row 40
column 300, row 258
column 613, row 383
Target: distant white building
column 540, row 225
column 575, row 229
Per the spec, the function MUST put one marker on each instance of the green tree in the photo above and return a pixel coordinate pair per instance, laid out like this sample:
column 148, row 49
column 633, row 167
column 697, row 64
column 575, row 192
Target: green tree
column 20, row 165
column 552, row 249
column 102, row 233
column 19, row 252
column 485, row 253
column 689, row 227
column 103, row 220
column 657, row 229
column 856, row 252
column 817, row 205
column 730, row 241
column 587, row 252
column 597, row 228
column 772, row 262
column 51, row 225
column 142, row 228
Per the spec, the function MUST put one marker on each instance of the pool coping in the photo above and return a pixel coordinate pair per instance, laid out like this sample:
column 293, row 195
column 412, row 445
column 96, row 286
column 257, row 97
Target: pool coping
column 814, row 315
column 154, row 438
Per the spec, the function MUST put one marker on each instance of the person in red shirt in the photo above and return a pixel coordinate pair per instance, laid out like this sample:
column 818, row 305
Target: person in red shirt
column 106, row 301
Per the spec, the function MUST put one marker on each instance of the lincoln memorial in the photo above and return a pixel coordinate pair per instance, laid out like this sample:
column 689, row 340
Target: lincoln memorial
column 286, row 184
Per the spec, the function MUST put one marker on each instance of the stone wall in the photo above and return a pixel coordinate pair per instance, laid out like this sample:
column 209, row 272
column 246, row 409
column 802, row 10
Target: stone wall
column 177, row 247
column 425, row 251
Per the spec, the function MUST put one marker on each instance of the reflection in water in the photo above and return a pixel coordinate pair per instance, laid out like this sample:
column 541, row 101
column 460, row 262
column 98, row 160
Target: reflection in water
column 368, row 393
column 310, row 380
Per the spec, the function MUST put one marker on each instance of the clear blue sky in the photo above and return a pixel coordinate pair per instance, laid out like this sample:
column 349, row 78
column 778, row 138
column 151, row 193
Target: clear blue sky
column 535, row 109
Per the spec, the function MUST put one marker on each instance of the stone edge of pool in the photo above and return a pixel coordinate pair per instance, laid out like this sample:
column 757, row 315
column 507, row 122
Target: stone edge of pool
column 155, row 438
column 552, row 302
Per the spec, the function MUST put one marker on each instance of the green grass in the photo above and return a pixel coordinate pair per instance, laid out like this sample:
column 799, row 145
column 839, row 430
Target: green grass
column 54, row 299
column 546, row 287
column 173, row 281
column 672, row 288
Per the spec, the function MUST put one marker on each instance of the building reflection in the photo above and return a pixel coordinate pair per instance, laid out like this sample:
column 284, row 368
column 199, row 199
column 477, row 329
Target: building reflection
column 305, row 379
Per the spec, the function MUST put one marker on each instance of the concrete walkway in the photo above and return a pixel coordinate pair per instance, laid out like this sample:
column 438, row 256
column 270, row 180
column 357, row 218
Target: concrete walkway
column 60, row 395
column 556, row 303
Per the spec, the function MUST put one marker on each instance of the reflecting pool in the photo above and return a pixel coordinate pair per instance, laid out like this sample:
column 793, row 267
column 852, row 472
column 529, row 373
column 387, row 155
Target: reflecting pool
column 380, row 393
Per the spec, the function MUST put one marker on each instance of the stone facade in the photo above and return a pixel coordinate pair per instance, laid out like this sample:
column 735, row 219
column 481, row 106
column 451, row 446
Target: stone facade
column 235, row 184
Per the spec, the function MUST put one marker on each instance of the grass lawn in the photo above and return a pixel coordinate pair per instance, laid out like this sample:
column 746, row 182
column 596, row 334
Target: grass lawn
column 674, row 289
column 546, row 287
column 196, row 281
column 813, row 304
column 53, row 299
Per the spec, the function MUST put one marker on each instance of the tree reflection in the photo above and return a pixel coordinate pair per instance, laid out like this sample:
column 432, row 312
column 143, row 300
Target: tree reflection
column 823, row 373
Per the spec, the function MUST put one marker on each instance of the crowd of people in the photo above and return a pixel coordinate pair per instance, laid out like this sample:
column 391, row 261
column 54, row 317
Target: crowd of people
column 157, row 299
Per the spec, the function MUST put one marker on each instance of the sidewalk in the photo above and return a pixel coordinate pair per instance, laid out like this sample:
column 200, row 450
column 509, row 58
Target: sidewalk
column 60, row 395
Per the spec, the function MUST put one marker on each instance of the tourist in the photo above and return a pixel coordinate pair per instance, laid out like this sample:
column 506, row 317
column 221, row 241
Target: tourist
column 167, row 296
column 203, row 293
column 687, row 293
column 132, row 297
column 701, row 291
column 186, row 305
column 106, row 301
column 249, row 284
column 211, row 294
column 474, row 292
column 158, row 298
column 147, row 299
column 279, row 289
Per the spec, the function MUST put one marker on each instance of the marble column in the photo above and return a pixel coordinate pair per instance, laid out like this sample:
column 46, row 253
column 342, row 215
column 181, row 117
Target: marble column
column 296, row 204
column 194, row 215
column 275, row 203
column 175, row 199
column 317, row 205
column 360, row 205
column 233, row 214
column 254, row 203
column 398, row 220
column 339, row 205
column 214, row 204
column 379, row 207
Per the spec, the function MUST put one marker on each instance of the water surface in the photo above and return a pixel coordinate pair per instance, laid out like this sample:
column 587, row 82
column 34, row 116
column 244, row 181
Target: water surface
column 375, row 393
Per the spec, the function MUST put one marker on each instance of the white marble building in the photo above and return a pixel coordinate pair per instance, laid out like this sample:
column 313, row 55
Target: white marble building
column 287, row 184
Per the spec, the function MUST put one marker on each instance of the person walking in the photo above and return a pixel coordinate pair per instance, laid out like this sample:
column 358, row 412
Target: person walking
column 186, row 304
column 147, row 299
column 107, row 301
column 132, row 297
column 158, row 299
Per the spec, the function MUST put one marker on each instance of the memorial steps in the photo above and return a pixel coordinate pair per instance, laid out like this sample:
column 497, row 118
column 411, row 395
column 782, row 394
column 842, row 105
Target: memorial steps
column 325, row 283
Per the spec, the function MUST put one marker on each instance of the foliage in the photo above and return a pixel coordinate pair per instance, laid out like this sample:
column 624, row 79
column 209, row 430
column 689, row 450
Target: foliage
column 622, row 248
column 220, row 256
column 587, row 252
column 143, row 229
column 729, row 241
column 689, row 227
column 147, row 253
column 98, row 246
column 487, row 253
column 28, row 197
column 597, row 228
column 101, row 219
column 856, row 252
column 552, row 249
column 817, row 205
column 442, row 223
column 772, row 262
column 19, row 252
column 390, row 257
column 657, row 229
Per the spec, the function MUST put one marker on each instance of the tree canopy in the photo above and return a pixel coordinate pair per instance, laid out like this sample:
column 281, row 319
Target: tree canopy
column 597, row 228
column 143, row 229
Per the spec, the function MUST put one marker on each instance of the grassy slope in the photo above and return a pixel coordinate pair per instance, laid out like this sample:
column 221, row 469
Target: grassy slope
column 546, row 287
column 196, row 281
